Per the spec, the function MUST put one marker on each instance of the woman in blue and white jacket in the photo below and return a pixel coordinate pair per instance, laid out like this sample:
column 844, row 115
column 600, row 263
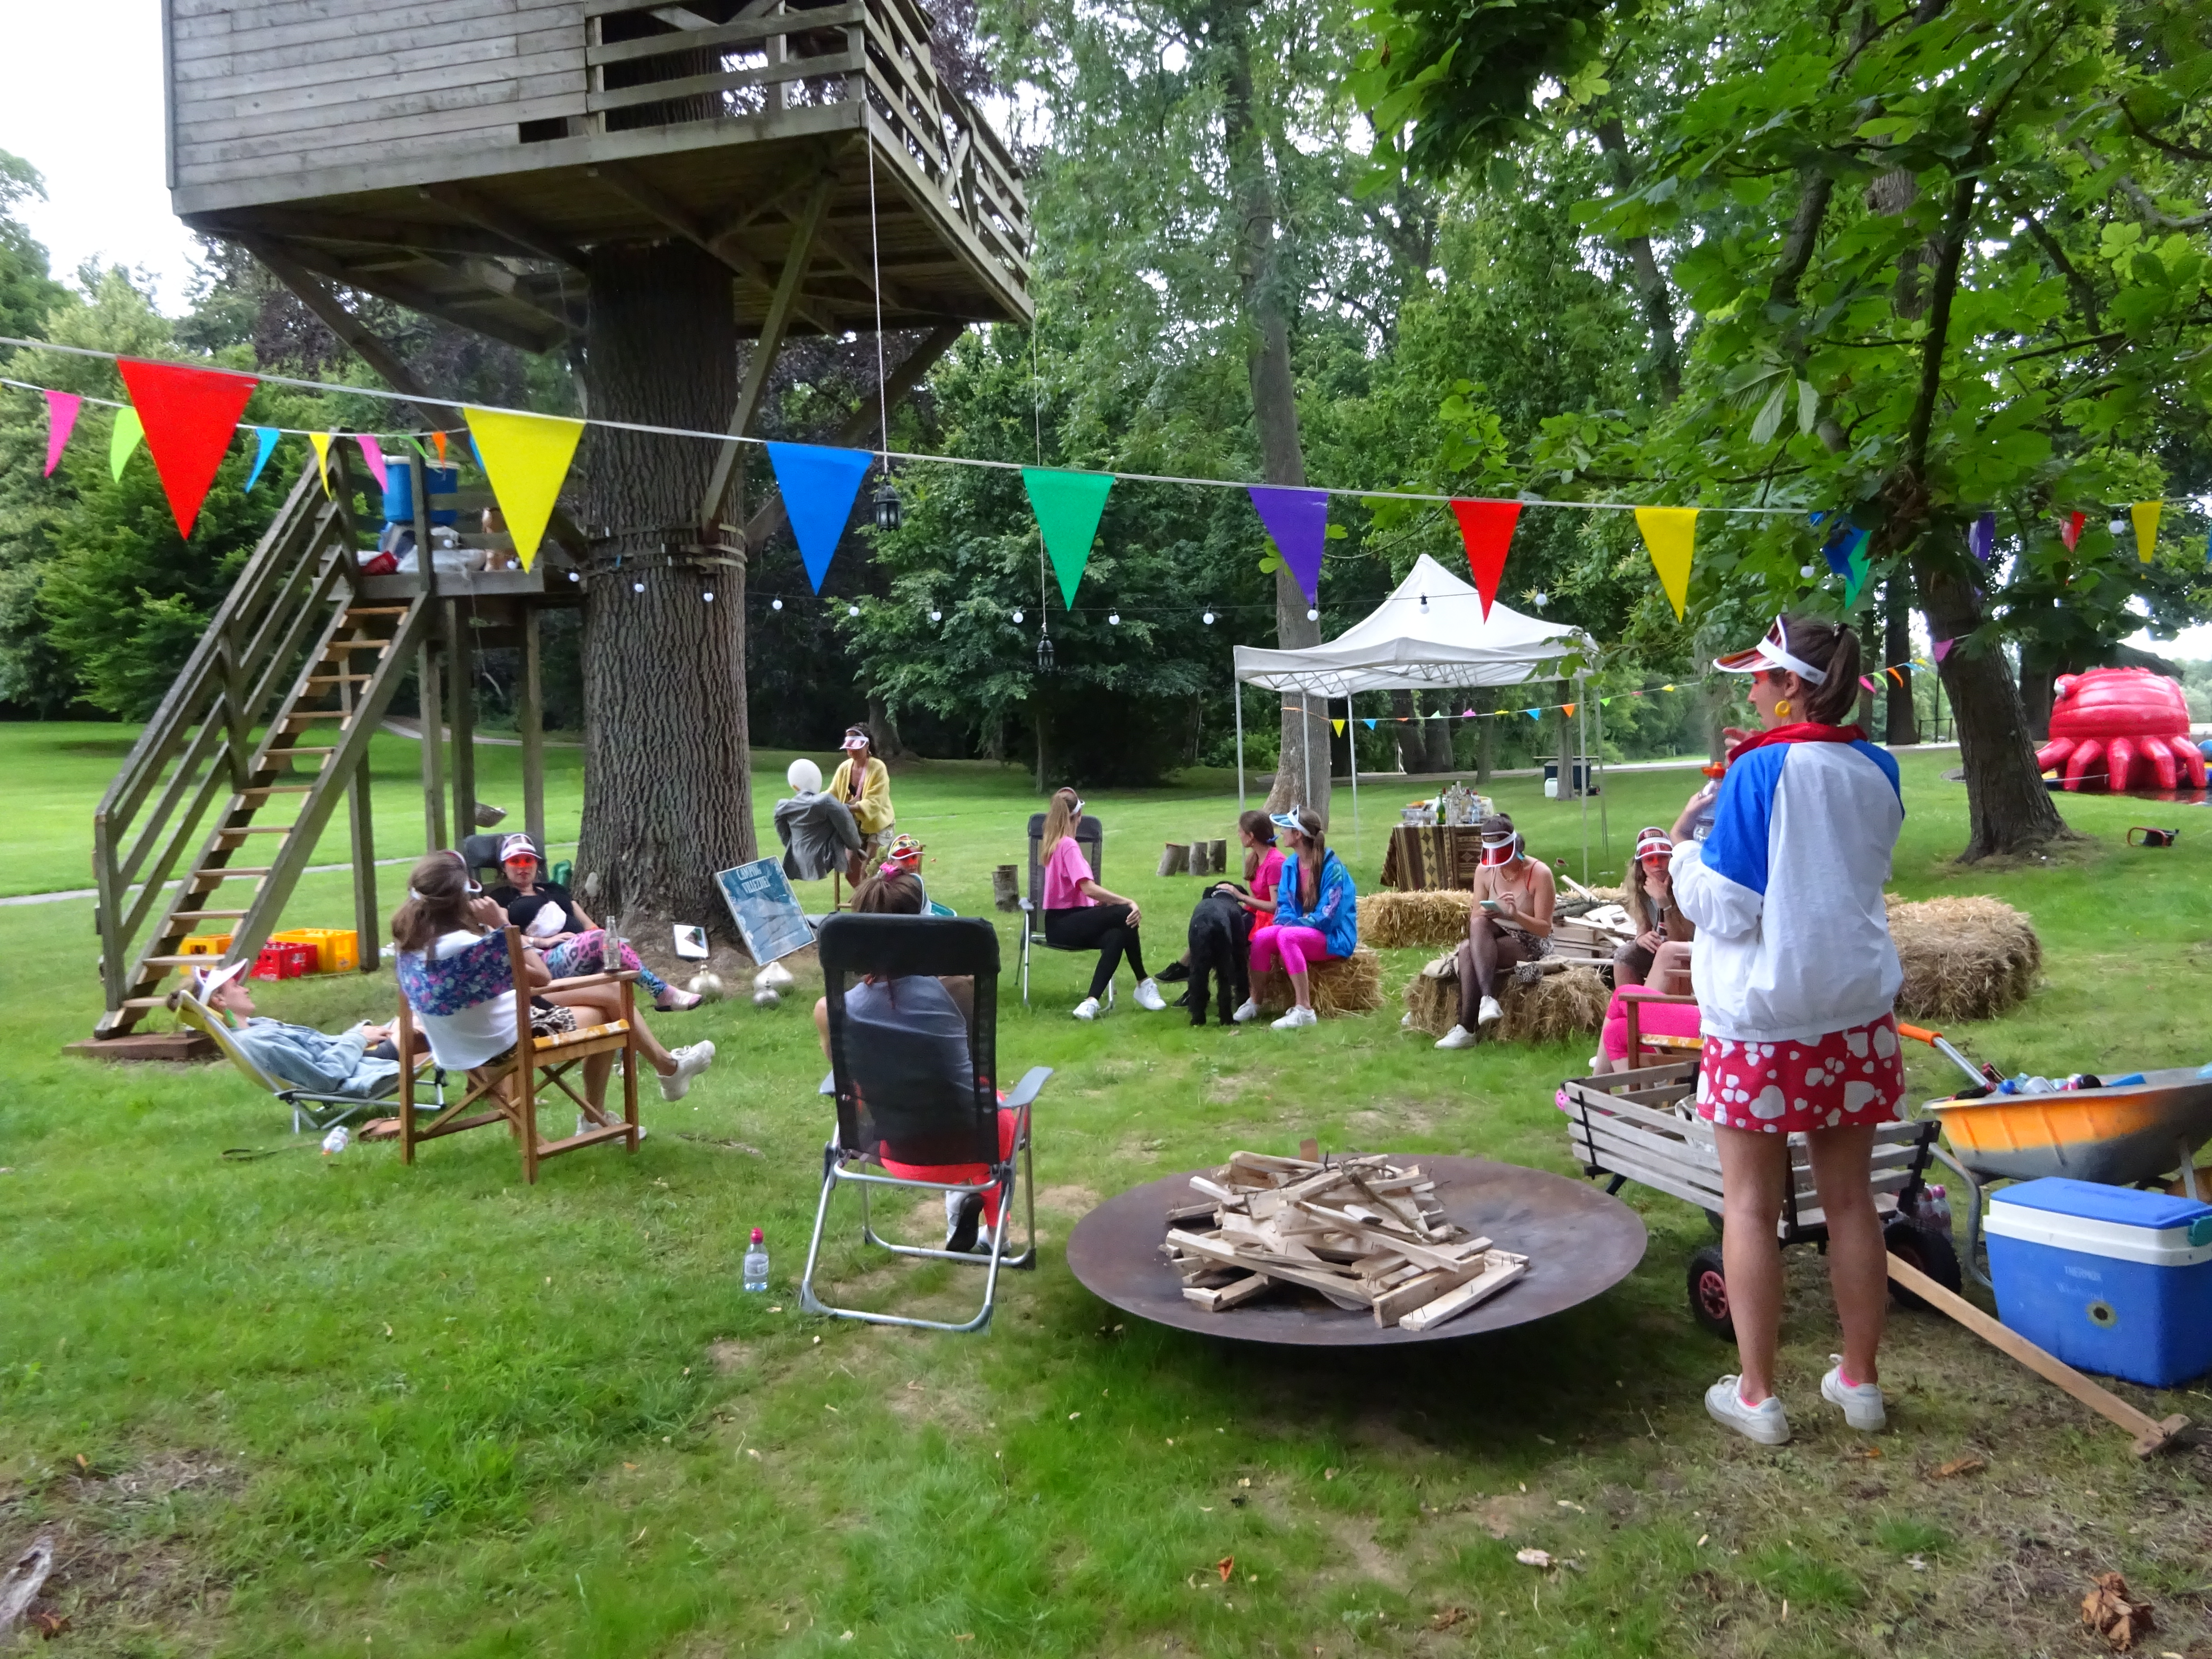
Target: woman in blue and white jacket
column 1316, row 917
column 1796, row 978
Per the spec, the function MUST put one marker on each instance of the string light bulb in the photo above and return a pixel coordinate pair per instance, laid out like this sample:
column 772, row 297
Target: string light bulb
column 708, row 596
column 1540, row 598
column 1112, row 619
column 637, row 588
column 776, row 604
column 935, row 615
column 1207, row 618
column 852, row 610
column 1017, row 616
column 1806, row 571
column 2118, row 526
column 1312, row 615
column 1425, row 605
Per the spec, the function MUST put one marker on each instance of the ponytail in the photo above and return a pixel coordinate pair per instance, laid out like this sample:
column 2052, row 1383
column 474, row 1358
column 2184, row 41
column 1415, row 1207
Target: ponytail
column 1833, row 648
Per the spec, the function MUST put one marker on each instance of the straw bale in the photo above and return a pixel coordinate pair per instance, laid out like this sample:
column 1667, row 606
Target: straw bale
column 1965, row 957
column 1353, row 986
column 1430, row 916
column 1556, row 1005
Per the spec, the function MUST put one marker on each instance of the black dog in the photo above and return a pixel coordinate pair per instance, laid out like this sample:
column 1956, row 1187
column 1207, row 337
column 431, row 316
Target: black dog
column 1221, row 944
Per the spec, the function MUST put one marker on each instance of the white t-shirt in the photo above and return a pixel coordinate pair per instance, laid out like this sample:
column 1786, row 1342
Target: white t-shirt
column 468, row 1039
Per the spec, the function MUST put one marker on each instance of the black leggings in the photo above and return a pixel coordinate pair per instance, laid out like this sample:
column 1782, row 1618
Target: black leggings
column 1105, row 926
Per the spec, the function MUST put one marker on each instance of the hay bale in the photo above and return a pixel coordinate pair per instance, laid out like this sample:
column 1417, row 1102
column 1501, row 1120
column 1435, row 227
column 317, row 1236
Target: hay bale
column 1353, row 986
column 1556, row 1005
column 1425, row 917
column 1967, row 957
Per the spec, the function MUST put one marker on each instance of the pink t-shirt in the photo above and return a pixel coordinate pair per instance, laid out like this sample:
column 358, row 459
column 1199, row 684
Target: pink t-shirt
column 1064, row 870
column 1269, row 875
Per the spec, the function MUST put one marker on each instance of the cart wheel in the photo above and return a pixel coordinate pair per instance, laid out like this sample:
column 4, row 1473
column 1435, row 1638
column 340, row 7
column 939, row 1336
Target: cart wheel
column 1930, row 1252
column 1709, row 1296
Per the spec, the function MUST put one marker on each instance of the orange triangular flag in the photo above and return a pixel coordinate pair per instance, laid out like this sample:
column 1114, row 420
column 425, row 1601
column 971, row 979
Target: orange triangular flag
column 190, row 416
column 438, row 439
column 1486, row 528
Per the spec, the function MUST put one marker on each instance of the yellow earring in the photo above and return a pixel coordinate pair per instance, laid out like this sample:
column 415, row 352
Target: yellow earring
column 1782, row 708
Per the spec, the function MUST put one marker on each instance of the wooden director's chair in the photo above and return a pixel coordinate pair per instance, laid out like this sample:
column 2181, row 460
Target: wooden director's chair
column 509, row 1086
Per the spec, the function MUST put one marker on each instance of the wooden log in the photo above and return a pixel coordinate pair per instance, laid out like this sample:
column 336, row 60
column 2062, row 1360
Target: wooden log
column 1450, row 1305
column 1228, row 1295
column 1339, row 1289
column 1005, row 888
column 1401, row 1299
column 1217, row 857
column 2151, row 1434
column 1175, row 859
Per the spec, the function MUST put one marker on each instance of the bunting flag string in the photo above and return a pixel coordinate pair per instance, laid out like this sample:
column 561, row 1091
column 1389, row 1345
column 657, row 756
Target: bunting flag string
column 1670, row 536
column 1296, row 520
column 1068, row 506
column 818, row 485
column 1486, row 530
column 61, row 420
column 123, row 440
column 2146, row 515
column 264, row 445
column 525, row 458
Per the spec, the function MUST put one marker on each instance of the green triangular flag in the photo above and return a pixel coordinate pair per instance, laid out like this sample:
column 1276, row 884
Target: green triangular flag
column 1857, row 578
column 123, row 440
column 1067, row 507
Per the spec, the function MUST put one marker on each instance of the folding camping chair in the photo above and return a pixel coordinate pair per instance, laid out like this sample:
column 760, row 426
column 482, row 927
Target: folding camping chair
column 1663, row 1049
column 1091, row 837
column 319, row 1112
column 510, row 1085
column 481, row 853
column 894, row 1096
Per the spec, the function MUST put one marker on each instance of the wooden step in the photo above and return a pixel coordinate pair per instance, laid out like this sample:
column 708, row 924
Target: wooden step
column 257, row 829
column 143, row 1002
column 206, row 915
column 357, row 645
column 339, row 679
column 277, row 789
column 299, row 722
column 353, row 611
column 273, row 754
column 221, row 872
column 176, row 961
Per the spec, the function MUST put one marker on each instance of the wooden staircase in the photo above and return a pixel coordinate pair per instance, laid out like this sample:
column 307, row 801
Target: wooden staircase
column 275, row 705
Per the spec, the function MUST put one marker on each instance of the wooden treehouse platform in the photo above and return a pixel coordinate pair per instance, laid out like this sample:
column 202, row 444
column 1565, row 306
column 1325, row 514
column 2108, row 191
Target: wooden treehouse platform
column 458, row 159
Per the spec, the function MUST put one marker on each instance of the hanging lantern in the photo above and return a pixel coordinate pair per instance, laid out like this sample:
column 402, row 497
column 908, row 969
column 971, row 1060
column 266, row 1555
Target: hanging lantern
column 1044, row 653
column 886, row 503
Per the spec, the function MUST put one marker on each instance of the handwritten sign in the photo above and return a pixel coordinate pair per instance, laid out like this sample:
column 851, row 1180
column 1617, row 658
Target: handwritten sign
column 765, row 909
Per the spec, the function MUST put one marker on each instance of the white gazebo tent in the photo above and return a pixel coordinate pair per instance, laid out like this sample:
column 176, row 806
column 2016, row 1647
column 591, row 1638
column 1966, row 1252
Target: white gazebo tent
column 1430, row 632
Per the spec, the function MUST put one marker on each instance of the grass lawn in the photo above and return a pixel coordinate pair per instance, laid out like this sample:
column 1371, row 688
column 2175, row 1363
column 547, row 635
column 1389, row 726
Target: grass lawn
column 304, row 1406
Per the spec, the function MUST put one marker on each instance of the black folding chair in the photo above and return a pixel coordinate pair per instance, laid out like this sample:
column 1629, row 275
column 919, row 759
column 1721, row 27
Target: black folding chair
column 897, row 1097
column 481, row 853
column 1091, row 837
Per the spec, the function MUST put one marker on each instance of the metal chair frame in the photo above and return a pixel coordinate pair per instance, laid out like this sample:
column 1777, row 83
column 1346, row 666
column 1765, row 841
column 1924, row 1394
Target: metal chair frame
column 1090, row 837
column 316, row 1111
column 923, row 945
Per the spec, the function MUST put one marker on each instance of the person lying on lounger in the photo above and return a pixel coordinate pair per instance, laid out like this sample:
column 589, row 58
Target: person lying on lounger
column 359, row 1065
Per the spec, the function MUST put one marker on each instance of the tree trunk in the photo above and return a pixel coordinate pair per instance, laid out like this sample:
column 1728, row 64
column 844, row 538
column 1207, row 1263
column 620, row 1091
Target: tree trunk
column 667, row 754
column 2008, row 808
column 1870, row 660
column 1902, row 717
column 1437, row 736
column 1649, row 283
column 1485, row 735
column 1266, row 297
column 2038, row 675
column 883, row 732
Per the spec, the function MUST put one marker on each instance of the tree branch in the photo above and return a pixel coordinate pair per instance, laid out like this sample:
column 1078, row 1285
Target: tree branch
column 2085, row 292
column 2183, row 152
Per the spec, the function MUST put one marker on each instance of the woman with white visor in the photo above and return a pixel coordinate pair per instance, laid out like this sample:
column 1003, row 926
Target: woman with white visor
column 1510, row 923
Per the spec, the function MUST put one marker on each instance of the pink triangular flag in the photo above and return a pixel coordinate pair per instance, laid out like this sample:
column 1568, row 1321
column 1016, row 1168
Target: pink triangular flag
column 1942, row 648
column 373, row 452
column 61, row 421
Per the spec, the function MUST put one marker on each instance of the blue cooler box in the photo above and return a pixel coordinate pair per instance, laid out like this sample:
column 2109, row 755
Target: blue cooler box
column 2110, row 1280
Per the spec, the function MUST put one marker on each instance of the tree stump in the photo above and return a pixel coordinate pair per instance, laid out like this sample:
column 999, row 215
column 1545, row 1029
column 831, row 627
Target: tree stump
column 1175, row 859
column 1005, row 888
column 1217, row 857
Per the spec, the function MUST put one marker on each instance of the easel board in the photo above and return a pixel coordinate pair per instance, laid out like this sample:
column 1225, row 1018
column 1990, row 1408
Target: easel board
column 765, row 909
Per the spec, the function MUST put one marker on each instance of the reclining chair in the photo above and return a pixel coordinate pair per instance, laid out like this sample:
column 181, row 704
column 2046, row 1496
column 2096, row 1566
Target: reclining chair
column 1090, row 837
column 310, row 1109
column 894, row 1098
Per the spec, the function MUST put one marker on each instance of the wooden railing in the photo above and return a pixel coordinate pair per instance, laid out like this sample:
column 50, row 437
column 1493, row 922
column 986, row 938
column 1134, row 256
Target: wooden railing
column 652, row 64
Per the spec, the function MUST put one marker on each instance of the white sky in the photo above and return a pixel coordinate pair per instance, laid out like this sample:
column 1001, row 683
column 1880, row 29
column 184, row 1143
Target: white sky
column 84, row 106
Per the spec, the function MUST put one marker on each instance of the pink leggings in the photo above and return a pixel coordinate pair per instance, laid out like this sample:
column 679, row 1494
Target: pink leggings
column 1300, row 948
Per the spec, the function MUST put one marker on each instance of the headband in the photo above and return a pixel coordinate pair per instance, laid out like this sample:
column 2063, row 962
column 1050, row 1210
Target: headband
column 1773, row 652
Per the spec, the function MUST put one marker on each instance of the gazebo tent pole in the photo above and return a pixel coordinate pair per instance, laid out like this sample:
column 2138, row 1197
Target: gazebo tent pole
column 1351, row 748
column 1237, row 702
column 1582, row 763
column 1604, row 830
column 1305, row 744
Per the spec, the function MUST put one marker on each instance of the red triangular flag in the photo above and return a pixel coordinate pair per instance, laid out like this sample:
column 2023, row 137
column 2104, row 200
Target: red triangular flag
column 1486, row 527
column 189, row 415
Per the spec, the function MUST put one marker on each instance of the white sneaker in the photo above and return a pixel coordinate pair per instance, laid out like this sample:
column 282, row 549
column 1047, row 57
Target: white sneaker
column 1764, row 1422
column 1087, row 1009
column 1489, row 1011
column 1149, row 997
column 1246, row 1013
column 1458, row 1037
column 690, row 1062
column 1862, row 1401
column 1405, row 1021
column 584, row 1122
column 1295, row 1019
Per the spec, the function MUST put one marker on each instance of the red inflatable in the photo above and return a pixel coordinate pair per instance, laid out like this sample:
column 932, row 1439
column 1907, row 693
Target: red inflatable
column 2121, row 728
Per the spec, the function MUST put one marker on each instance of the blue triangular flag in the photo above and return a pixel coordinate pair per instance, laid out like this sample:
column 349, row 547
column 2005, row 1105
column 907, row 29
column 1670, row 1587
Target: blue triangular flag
column 1297, row 519
column 266, row 436
column 818, row 485
column 1370, row 725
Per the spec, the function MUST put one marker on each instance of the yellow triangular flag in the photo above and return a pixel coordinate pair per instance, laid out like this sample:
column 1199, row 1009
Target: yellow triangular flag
column 322, row 443
column 1670, row 534
column 122, row 440
column 525, row 458
column 2145, row 514
column 1339, row 724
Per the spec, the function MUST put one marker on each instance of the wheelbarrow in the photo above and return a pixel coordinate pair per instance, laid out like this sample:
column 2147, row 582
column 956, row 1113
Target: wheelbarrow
column 1633, row 1126
column 2125, row 1134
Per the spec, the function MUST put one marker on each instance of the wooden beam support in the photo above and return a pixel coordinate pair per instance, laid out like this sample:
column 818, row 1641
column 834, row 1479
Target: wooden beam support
column 862, row 422
column 365, row 232
column 461, row 700
column 773, row 328
column 531, row 719
column 325, row 263
column 633, row 186
column 480, row 209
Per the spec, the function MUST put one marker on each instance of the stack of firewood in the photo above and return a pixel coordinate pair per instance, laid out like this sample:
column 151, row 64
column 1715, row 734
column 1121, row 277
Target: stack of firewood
column 1363, row 1233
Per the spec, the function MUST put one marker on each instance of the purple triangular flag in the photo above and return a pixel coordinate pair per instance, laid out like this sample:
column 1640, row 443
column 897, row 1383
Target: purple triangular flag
column 61, row 421
column 1297, row 519
column 1982, row 537
column 1940, row 648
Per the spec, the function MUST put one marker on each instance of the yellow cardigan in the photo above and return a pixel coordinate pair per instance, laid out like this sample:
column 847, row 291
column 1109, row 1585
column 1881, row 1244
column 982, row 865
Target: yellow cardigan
column 873, row 811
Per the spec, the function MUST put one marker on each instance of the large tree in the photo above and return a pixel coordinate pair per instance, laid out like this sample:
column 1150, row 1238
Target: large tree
column 1939, row 259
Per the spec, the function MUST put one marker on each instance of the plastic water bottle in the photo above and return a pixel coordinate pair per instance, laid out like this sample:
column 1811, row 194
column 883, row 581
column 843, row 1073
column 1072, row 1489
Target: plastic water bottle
column 337, row 1141
column 1934, row 1214
column 757, row 1263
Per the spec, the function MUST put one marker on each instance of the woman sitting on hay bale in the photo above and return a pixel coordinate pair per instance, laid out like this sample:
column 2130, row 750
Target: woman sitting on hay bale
column 1656, row 962
column 1317, row 918
column 1510, row 924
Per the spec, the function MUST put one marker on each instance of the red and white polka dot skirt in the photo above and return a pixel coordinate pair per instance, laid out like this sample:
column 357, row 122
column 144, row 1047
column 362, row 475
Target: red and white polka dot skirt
column 1840, row 1078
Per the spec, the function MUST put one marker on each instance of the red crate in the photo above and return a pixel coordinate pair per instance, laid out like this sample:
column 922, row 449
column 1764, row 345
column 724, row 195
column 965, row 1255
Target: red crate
column 281, row 959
